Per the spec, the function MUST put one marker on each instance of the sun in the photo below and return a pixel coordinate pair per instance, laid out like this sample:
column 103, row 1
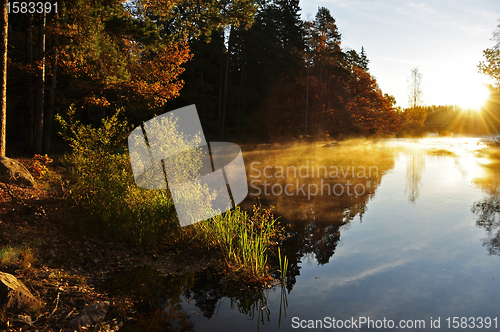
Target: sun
column 475, row 97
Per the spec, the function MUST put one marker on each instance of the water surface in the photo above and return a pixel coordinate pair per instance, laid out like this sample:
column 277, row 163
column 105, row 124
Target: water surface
column 420, row 243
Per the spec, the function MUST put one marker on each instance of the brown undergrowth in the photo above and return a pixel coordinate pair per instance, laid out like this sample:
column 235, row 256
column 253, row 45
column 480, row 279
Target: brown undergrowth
column 63, row 265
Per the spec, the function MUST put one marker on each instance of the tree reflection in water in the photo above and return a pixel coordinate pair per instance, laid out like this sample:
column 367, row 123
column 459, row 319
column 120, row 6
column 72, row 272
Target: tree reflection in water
column 160, row 297
column 415, row 168
column 314, row 222
column 314, row 225
column 488, row 210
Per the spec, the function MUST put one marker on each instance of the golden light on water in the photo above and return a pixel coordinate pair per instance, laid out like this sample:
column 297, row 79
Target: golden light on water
column 465, row 150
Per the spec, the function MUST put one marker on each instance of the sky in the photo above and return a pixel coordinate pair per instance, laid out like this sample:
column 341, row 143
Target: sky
column 444, row 39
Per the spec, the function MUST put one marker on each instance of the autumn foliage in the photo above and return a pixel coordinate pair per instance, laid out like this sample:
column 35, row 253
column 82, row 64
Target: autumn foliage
column 332, row 93
column 115, row 57
column 254, row 70
column 370, row 111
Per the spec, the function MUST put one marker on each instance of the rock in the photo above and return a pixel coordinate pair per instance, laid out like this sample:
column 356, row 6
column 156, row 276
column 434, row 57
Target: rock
column 14, row 296
column 91, row 314
column 13, row 172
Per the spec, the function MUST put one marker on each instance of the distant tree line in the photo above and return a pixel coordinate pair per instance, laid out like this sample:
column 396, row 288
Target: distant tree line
column 255, row 70
column 452, row 119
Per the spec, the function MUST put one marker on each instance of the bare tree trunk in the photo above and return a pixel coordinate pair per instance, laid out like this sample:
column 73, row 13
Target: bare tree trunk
column 40, row 86
column 241, row 97
column 219, row 106
column 28, row 120
column 224, row 99
column 267, row 124
column 318, row 112
column 307, row 100
column 3, row 111
column 49, row 114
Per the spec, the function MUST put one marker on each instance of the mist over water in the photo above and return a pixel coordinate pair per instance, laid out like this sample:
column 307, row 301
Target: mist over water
column 419, row 244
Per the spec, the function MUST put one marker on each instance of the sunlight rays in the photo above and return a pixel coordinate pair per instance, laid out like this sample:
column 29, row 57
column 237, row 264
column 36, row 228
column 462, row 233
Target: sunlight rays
column 476, row 98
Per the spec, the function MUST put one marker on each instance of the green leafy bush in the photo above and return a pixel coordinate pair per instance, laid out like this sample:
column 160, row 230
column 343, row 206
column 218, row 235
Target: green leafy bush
column 103, row 184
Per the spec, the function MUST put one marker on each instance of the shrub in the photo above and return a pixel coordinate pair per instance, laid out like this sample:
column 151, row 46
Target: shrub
column 104, row 185
column 37, row 166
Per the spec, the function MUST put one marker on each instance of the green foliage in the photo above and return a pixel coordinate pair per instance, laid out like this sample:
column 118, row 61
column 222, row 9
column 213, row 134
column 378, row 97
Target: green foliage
column 105, row 187
column 491, row 66
column 15, row 257
column 104, row 184
column 8, row 255
column 243, row 239
column 283, row 267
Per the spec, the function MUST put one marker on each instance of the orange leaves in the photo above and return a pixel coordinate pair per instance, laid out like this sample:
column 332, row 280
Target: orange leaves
column 110, row 57
column 155, row 77
column 96, row 101
column 369, row 109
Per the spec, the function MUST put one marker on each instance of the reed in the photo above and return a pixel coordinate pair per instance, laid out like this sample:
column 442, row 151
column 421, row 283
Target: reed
column 244, row 239
column 283, row 260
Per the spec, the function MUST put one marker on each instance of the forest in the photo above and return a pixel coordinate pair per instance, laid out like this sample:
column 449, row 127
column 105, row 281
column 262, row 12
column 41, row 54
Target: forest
column 255, row 70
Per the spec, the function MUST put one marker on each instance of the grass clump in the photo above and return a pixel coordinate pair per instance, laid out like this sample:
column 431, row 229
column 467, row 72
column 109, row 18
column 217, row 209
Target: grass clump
column 8, row 256
column 243, row 239
column 283, row 261
column 16, row 257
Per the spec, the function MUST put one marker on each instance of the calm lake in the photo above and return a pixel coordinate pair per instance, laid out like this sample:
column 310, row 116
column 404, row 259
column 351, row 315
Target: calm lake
column 414, row 242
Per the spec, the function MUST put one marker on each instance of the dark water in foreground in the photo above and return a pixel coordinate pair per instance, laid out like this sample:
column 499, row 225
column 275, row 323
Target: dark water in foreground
column 421, row 246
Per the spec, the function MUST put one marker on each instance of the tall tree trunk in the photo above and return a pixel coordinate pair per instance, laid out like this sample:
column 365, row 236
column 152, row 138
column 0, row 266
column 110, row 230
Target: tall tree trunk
column 224, row 99
column 28, row 119
column 3, row 110
column 40, row 86
column 241, row 97
column 49, row 114
column 221, row 86
column 307, row 99
column 320, row 108
column 267, row 124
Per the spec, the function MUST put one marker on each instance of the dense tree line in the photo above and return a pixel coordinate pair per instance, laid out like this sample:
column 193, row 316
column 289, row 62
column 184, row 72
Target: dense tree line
column 255, row 69
column 284, row 78
column 97, row 56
